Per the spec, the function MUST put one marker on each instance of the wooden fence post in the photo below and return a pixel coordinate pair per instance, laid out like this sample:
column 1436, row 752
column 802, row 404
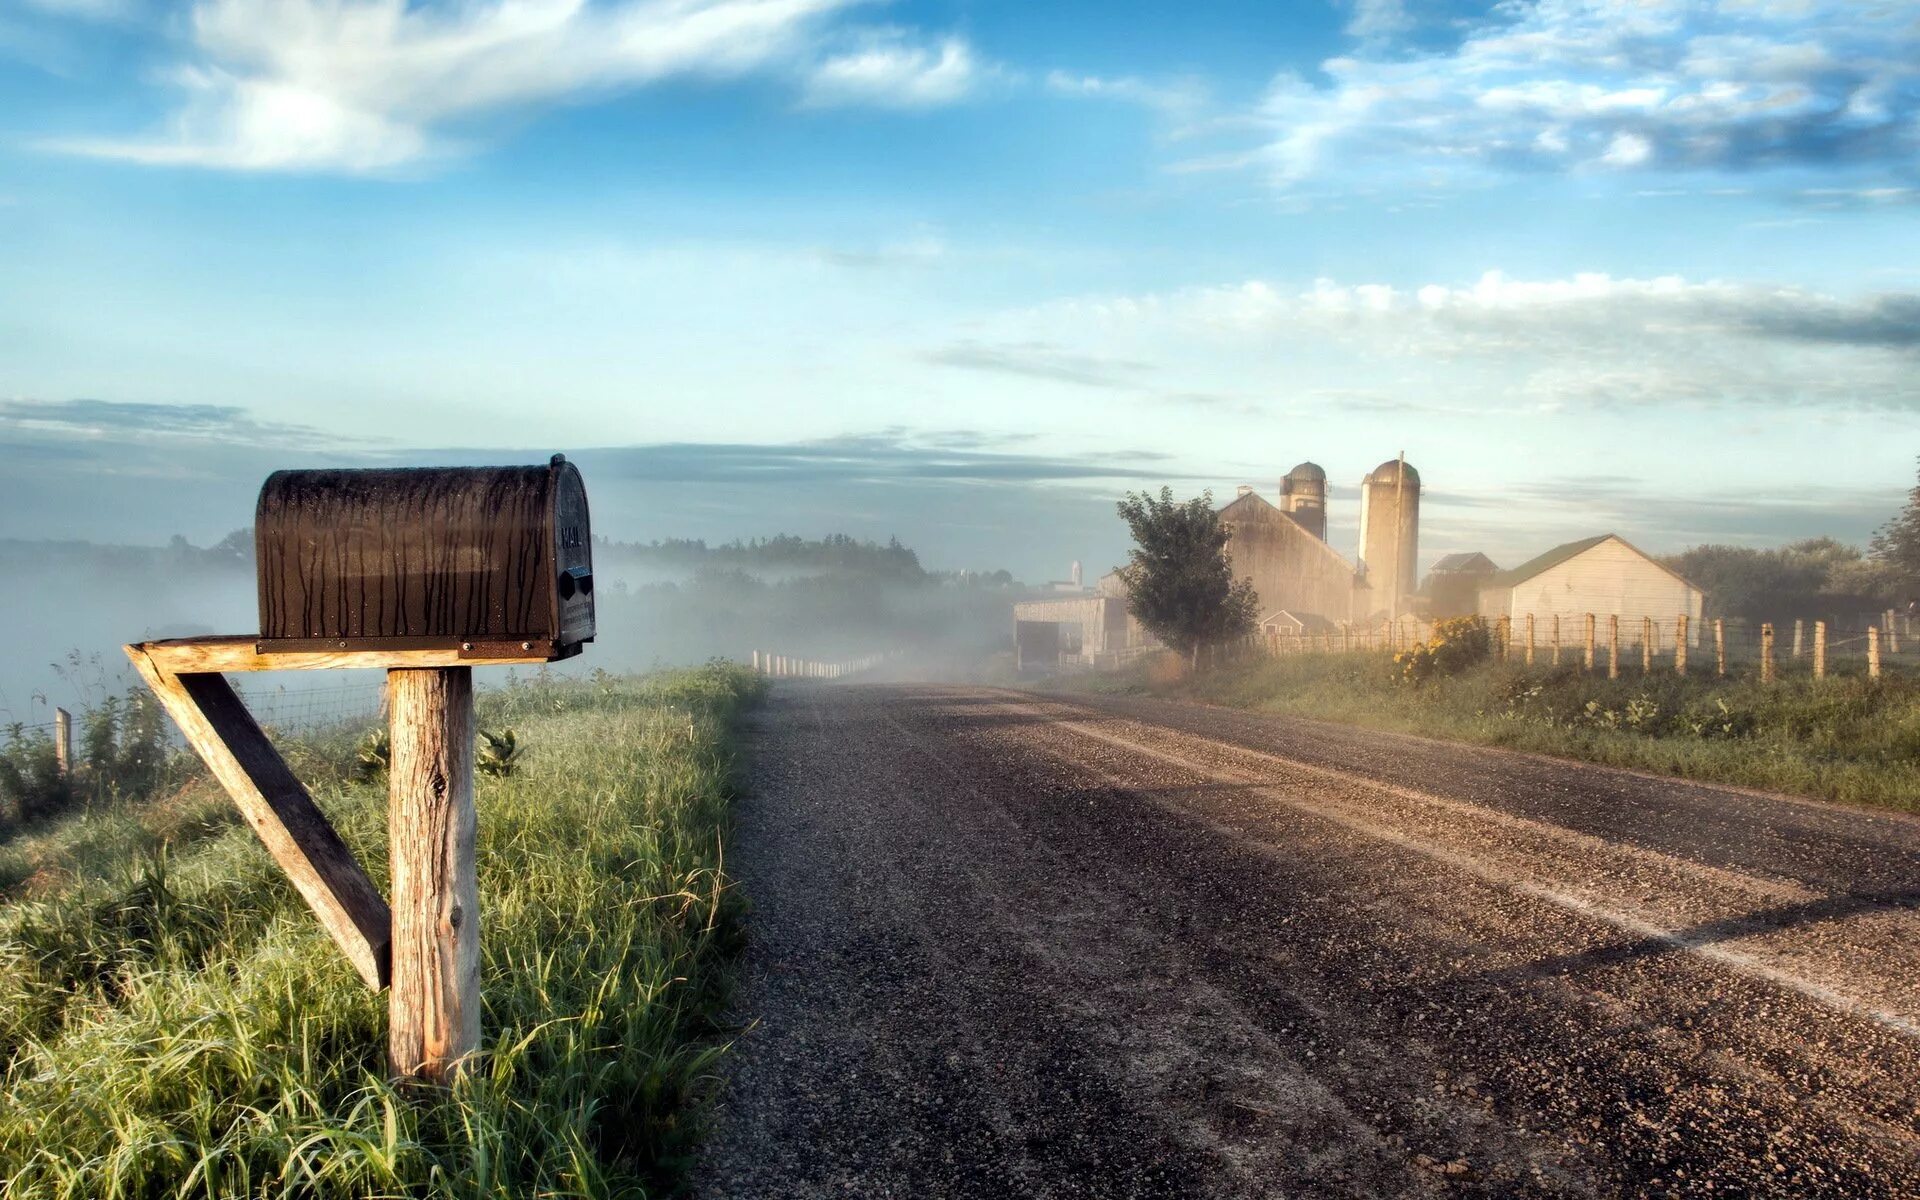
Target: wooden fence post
column 1613, row 645
column 1589, row 656
column 63, row 742
column 1720, row 646
column 1646, row 645
column 1819, row 649
column 1873, row 653
column 1766, row 652
column 1554, row 639
column 1893, row 634
column 1680, row 633
column 1797, row 623
column 1501, row 631
column 433, row 1009
column 1529, row 639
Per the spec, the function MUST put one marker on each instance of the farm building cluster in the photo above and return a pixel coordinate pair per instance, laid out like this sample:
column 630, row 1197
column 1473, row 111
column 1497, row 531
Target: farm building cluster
column 1307, row 588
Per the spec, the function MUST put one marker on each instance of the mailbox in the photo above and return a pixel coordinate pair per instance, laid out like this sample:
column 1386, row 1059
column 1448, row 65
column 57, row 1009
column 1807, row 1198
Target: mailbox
column 488, row 561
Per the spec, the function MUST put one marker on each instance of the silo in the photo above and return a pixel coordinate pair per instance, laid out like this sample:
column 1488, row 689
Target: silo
column 1390, row 532
column 1303, row 495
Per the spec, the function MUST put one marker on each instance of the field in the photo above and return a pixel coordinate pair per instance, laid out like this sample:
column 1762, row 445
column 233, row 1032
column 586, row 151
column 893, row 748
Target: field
column 1843, row 738
column 173, row 1022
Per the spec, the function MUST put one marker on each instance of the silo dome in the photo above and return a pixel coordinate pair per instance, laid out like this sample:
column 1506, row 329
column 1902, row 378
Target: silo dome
column 1308, row 470
column 1385, row 471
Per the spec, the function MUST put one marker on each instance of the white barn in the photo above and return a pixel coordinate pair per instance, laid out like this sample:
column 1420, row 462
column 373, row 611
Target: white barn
column 1605, row 576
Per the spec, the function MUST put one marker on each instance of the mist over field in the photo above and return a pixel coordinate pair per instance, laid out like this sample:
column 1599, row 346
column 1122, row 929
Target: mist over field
column 667, row 604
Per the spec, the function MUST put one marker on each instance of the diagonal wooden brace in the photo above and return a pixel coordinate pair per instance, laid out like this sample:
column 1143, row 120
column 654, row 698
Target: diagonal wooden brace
column 323, row 870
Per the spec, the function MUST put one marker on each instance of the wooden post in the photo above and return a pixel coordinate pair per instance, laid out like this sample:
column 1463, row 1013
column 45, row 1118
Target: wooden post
column 1646, row 645
column 1798, row 623
column 1893, row 634
column 433, row 1012
column 1766, row 652
column 63, row 742
column 1720, row 646
column 1588, row 661
column 1873, row 653
column 1680, row 637
column 291, row 826
column 1613, row 645
column 1554, row 639
column 1529, row 659
column 1503, row 633
column 1819, row 649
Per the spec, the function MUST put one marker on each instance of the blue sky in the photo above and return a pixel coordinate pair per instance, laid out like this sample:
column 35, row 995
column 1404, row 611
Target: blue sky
column 964, row 271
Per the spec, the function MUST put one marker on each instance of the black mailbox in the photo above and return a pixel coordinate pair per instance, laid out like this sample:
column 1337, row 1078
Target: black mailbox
column 488, row 561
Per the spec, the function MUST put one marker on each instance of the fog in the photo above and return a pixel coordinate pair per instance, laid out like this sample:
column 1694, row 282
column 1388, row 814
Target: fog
column 73, row 605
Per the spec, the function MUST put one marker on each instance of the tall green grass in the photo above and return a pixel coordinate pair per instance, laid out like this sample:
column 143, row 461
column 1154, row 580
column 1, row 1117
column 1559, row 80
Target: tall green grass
column 1843, row 738
column 181, row 1027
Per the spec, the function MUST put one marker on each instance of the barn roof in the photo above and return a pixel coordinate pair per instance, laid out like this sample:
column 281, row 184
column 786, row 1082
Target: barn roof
column 1559, row 554
column 1472, row 560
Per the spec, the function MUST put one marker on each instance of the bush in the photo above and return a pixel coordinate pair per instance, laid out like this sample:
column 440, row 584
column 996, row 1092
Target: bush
column 1457, row 644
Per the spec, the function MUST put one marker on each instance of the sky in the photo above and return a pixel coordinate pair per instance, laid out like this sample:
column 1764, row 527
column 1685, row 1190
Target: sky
column 964, row 272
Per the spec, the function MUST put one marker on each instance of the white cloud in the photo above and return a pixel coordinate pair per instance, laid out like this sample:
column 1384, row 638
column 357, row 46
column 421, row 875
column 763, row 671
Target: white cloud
column 1379, row 19
column 1178, row 97
column 1506, row 344
column 1616, row 85
column 890, row 71
column 369, row 85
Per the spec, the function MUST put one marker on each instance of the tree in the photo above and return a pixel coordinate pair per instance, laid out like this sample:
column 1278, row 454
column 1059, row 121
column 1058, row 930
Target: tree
column 1180, row 585
column 1897, row 543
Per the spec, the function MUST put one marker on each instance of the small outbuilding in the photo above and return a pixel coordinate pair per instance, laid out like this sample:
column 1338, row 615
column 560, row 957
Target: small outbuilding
column 1605, row 576
column 1453, row 586
column 1288, row 624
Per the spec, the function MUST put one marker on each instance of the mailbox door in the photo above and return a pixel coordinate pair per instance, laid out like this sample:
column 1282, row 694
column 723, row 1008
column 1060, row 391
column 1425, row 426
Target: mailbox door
column 573, row 557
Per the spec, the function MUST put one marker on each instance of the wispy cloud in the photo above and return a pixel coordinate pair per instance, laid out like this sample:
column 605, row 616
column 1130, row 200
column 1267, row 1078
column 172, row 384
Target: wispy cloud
column 1605, row 85
column 1179, row 97
column 1501, row 344
column 888, row 69
column 1039, row 360
column 111, row 421
column 377, row 85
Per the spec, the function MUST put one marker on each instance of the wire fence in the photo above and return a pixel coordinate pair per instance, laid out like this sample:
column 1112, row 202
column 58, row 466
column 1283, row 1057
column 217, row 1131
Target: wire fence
column 305, row 709
column 280, row 708
column 1622, row 643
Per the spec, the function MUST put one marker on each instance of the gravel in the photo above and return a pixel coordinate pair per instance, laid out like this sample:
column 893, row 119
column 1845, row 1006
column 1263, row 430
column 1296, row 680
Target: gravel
column 1008, row 945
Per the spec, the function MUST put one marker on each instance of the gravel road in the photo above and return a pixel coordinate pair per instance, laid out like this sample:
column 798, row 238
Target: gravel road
column 1016, row 945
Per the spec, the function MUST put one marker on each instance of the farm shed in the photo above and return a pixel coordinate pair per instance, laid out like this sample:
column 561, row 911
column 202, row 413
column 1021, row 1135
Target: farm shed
column 1453, row 586
column 1086, row 627
column 1605, row 576
column 1287, row 624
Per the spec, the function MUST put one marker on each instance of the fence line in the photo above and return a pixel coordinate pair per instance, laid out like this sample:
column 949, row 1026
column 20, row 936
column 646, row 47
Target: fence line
column 1818, row 648
column 788, row 666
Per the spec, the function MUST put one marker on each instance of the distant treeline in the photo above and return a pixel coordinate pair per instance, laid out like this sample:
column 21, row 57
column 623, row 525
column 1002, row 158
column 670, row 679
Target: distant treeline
column 1818, row 577
column 236, row 549
column 837, row 553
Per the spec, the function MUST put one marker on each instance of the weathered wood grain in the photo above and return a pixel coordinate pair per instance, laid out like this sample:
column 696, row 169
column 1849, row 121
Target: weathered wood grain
column 275, row 804
column 424, row 555
column 434, row 1007
column 226, row 655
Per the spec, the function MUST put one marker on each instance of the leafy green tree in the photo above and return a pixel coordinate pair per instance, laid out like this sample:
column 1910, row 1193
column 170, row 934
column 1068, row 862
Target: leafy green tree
column 1180, row 585
column 1897, row 543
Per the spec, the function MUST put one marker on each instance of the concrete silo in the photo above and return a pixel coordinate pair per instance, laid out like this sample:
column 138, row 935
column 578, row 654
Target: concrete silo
column 1303, row 496
column 1390, row 533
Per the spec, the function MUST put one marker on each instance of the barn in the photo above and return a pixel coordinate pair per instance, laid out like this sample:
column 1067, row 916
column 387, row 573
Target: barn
column 1605, row 576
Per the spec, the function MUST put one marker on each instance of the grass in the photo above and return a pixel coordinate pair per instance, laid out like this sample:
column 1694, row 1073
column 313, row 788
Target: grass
column 1843, row 738
column 174, row 1023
